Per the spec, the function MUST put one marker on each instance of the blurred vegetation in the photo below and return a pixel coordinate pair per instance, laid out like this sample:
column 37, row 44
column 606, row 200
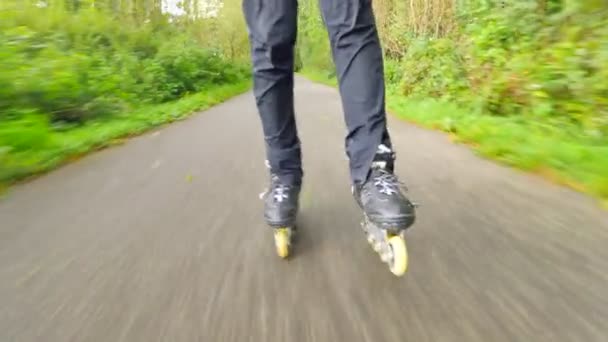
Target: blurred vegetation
column 522, row 81
column 78, row 73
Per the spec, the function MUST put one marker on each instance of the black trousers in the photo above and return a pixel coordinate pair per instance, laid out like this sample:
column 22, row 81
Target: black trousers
column 357, row 55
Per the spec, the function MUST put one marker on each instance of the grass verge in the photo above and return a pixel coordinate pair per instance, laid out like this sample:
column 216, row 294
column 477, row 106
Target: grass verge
column 37, row 147
column 558, row 152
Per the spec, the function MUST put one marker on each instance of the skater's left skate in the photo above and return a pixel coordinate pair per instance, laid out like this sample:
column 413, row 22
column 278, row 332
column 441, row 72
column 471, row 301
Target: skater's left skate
column 281, row 204
column 387, row 211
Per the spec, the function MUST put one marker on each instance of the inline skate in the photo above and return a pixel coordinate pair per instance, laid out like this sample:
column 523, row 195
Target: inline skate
column 387, row 213
column 281, row 203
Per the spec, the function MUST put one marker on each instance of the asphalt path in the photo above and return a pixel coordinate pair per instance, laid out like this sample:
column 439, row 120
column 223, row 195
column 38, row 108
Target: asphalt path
column 163, row 239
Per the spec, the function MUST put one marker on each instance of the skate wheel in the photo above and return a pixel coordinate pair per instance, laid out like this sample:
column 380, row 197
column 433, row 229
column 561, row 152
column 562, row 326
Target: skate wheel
column 398, row 262
column 282, row 242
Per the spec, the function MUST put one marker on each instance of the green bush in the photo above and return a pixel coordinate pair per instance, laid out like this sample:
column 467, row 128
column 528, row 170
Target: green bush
column 433, row 67
column 77, row 66
column 518, row 60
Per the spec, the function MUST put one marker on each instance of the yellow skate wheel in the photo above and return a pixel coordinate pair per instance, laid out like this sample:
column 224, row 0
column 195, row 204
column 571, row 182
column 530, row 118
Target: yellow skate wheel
column 281, row 242
column 398, row 264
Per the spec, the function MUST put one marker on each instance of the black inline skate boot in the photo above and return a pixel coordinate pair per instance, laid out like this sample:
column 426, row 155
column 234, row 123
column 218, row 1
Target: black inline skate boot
column 281, row 204
column 387, row 211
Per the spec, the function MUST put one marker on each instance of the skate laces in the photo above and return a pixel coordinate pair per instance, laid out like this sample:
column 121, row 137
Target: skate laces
column 386, row 182
column 279, row 191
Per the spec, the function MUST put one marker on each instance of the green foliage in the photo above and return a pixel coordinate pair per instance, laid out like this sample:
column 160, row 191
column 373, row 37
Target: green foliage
column 432, row 67
column 75, row 75
column 518, row 60
column 76, row 66
column 181, row 67
column 559, row 152
column 313, row 40
column 524, row 81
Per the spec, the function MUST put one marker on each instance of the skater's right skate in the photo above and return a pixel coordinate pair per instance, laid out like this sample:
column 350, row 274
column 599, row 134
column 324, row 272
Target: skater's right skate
column 387, row 211
column 380, row 196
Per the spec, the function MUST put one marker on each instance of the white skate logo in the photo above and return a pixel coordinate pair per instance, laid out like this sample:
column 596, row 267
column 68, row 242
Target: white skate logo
column 383, row 149
column 280, row 195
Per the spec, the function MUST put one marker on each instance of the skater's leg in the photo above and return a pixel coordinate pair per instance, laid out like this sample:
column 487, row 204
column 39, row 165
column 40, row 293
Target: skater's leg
column 357, row 55
column 272, row 36
column 358, row 59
